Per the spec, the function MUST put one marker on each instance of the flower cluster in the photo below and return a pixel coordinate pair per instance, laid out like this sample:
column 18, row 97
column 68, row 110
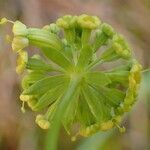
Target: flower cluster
column 63, row 80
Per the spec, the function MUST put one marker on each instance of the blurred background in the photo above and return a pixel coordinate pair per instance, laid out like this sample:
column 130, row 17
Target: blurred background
column 129, row 17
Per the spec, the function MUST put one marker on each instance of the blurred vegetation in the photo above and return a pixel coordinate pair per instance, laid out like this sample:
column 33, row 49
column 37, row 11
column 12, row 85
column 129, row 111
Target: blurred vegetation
column 129, row 17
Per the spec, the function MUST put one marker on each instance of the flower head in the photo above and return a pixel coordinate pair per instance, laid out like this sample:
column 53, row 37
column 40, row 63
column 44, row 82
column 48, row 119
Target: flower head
column 65, row 84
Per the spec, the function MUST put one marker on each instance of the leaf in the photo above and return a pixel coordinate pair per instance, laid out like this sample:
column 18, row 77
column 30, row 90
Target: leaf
column 31, row 78
column 111, row 97
column 44, row 38
column 119, row 76
column 85, row 56
column 45, row 84
column 50, row 45
column 50, row 96
column 96, row 104
column 97, row 78
column 70, row 113
column 84, row 114
column 57, row 57
column 38, row 64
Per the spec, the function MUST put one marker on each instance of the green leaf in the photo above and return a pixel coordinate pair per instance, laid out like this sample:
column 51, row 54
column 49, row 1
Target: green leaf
column 31, row 78
column 38, row 64
column 84, row 113
column 57, row 57
column 43, row 85
column 50, row 96
column 111, row 97
column 50, row 45
column 119, row 76
column 44, row 38
column 85, row 56
column 97, row 78
column 96, row 104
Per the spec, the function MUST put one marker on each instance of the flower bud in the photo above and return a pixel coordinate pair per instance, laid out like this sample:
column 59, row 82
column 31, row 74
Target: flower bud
column 19, row 43
column 88, row 22
column 26, row 97
column 107, row 29
column 67, row 21
column 42, row 122
column 53, row 28
column 21, row 61
column 126, row 50
column 116, row 51
column 106, row 125
column 32, row 103
column 19, row 29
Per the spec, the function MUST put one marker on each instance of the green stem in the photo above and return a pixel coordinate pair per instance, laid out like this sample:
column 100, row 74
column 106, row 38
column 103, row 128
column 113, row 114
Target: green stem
column 85, row 36
column 99, row 41
column 95, row 63
column 70, row 35
column 52, row 137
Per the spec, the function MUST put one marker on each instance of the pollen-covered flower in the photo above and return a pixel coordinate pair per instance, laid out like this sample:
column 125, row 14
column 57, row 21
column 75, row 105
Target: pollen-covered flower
column 42, row 122
column 19, row 43
column 103, row 34
column 89, row 22
column 67, row 21
column 119, row 49
column 21, row 61
column 19, row 29
column 134, row 79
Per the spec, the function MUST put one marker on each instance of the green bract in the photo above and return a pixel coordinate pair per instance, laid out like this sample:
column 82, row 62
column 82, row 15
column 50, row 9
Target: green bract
column 64, row 82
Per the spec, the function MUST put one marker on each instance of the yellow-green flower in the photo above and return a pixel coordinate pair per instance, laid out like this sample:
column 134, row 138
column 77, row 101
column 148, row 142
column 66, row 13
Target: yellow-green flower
column 19, row 29
column 21, row 61
column 119, row 49
column 88, row 22
column 19, row 43
column 53, row 28
column 42, row 122
column 26, row 98
column 124, row 50
column 134, row 81
column 107, row 29
column 67, row 21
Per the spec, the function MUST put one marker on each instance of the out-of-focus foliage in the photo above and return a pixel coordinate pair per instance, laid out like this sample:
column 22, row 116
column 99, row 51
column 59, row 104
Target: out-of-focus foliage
column 130, row 17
